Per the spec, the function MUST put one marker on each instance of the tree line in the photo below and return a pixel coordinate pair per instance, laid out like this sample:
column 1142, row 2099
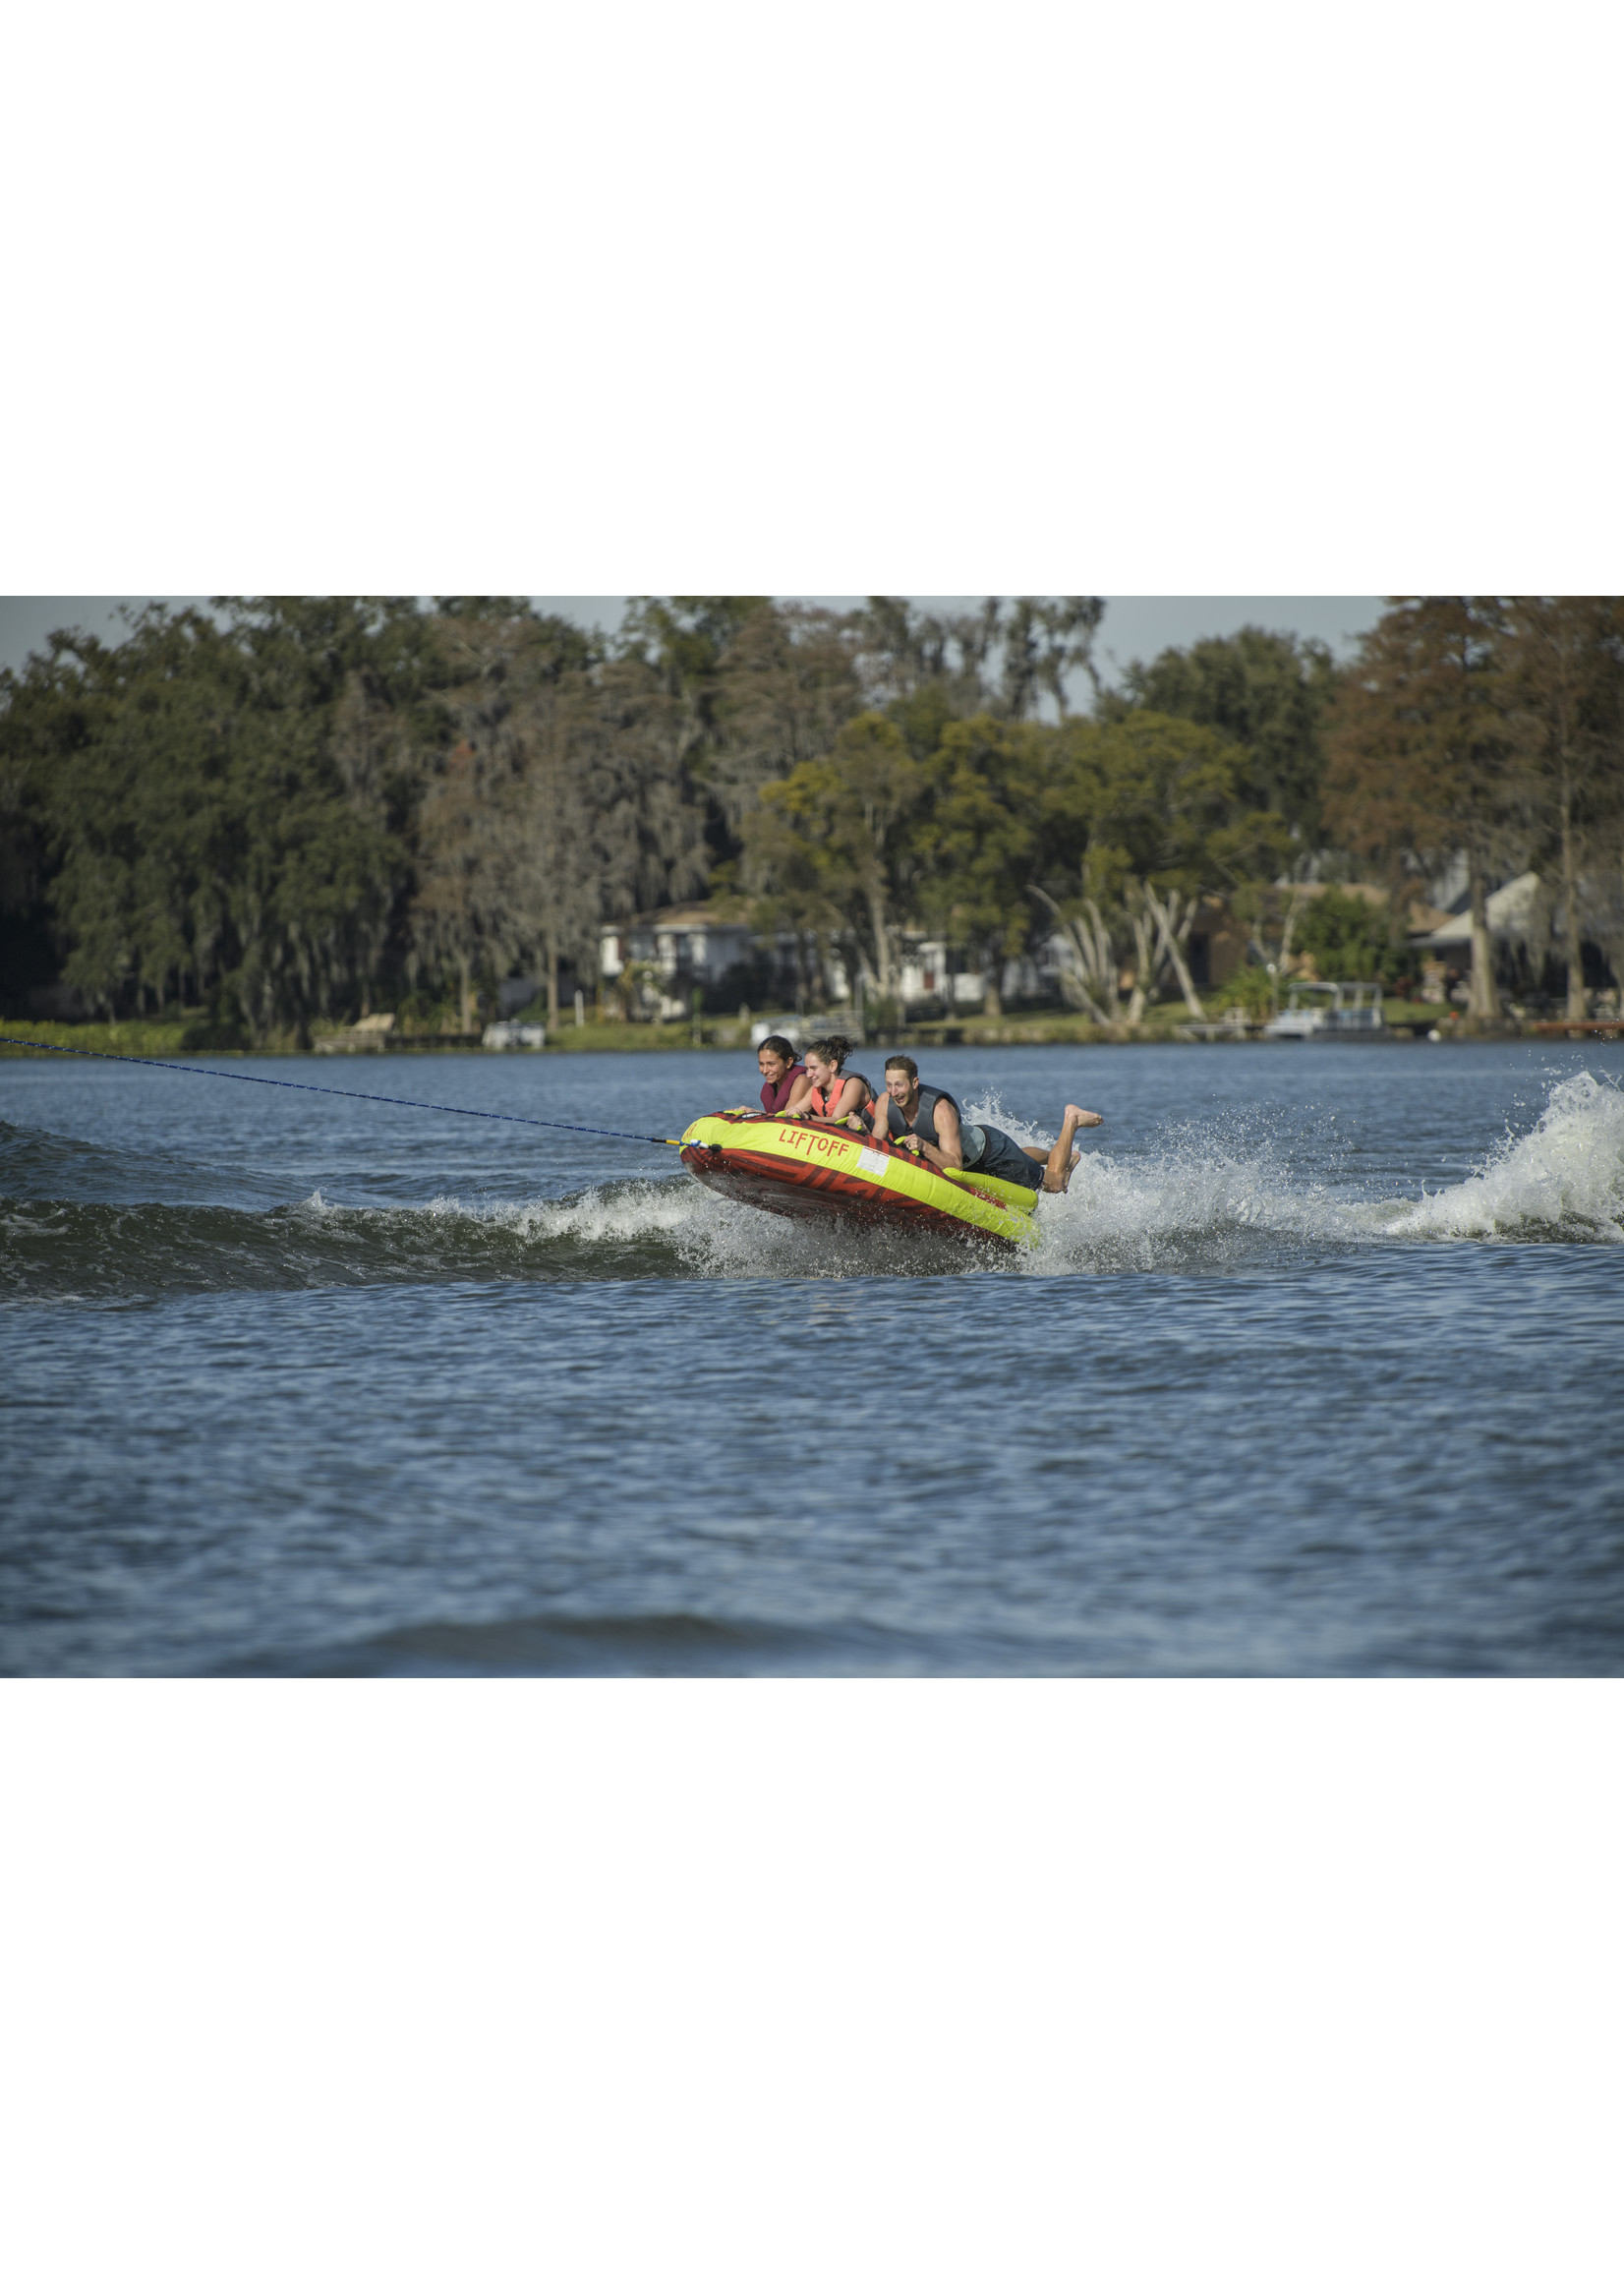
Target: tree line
column 1492, row 731
column 280, row 810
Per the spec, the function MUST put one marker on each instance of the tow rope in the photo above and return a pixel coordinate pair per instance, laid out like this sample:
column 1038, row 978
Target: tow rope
column 371, row 1097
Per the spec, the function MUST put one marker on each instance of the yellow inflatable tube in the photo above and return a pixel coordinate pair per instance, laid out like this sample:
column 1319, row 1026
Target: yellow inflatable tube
column 807, row 1168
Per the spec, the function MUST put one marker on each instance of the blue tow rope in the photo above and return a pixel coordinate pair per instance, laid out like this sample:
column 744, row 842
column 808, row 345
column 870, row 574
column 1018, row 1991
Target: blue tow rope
column 371, row 1097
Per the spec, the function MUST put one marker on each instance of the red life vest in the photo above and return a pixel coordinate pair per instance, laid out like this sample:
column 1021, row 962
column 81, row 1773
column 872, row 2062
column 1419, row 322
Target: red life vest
column 821, row 1108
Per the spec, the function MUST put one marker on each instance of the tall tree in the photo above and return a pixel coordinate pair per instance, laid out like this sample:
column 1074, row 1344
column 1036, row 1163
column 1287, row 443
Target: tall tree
column 977, row 838
column 999, row 658
column 1419, row 753
column 203, row 841
column 686, row 642
column 1043, row 643
column 786, row 685
column 563, row 799
column 50, row 711
column 830, row 848
column 516, row 796
column 459, row 918
column 1137, row 818
column 1270, row 692
column 1563, row 686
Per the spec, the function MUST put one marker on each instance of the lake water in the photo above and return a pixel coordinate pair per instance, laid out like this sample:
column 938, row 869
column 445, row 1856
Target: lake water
column 1317, row 1368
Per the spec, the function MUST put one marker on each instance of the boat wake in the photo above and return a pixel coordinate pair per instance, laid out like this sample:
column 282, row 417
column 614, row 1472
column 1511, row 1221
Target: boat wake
column 646, row 1229
column 1202, row 1199
column 1202, row 1202
column 1563, row 1181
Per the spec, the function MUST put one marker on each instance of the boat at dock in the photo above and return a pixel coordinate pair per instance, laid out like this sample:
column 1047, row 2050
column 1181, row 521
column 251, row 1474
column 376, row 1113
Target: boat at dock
column 811, row 1169
column 1329, row 1010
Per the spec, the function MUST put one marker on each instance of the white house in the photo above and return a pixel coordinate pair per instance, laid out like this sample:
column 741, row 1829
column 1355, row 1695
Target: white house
column 928, row 979
column 1512, row 914
column 694, row 944
column 690, row 946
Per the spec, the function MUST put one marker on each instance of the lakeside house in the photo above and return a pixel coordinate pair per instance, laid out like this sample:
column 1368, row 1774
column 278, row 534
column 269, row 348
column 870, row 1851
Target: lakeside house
column 658, row 959
column 931, row 980
column 1519, row 919
column 655, row 962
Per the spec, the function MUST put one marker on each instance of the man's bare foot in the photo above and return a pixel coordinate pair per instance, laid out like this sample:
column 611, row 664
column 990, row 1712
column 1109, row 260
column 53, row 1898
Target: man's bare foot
column 1080, row 1118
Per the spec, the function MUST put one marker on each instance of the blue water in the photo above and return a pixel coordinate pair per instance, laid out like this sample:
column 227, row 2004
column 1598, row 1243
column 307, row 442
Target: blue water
column 1318, row 1369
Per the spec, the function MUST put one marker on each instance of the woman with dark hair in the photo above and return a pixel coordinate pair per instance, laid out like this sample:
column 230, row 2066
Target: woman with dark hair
column 833, row 1094
column 783, row 1079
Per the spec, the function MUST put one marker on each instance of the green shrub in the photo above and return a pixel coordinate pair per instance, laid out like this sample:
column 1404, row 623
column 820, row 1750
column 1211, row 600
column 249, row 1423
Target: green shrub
column 1349, row 938
column 1247, row 988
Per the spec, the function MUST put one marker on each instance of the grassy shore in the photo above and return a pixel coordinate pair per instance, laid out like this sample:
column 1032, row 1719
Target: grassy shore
column 1160, row 1024
column 186, row 1038
column 194, row 1037
column 124, row 1038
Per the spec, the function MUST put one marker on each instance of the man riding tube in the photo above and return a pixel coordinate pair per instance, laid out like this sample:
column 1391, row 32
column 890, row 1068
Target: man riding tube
column 929, row 1124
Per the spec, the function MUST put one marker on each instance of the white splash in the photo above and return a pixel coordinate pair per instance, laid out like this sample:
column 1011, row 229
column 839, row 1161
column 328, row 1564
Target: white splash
column 1193, row 1203
column 989, row 1108
column 1197, row 1200
column 607, row 1215
column 1565, row 1178
column 691, row 1226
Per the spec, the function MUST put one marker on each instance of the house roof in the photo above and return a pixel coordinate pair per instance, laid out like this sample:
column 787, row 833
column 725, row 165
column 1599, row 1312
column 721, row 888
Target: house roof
column 1376, row 895
column 686, row 917
column 1507, row 910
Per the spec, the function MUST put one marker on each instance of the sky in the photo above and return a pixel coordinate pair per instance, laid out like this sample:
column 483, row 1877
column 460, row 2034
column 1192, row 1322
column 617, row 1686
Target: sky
column 1133, row 629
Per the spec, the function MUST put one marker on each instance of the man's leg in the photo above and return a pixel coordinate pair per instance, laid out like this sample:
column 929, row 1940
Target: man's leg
column 1060, row 1160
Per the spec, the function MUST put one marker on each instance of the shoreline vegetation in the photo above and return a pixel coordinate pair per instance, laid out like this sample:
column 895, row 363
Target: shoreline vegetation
column 157, row 1039
column 340, row 823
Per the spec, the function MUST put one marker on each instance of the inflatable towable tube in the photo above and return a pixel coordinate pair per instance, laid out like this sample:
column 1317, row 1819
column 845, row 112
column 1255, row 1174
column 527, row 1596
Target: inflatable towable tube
column 809, row 1168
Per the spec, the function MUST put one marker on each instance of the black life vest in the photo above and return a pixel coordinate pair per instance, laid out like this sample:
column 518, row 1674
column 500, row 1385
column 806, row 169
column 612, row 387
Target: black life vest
column 924, row 1119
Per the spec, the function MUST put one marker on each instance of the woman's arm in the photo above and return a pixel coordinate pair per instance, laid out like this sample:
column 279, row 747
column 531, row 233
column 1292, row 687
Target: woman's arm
column 799, row 1102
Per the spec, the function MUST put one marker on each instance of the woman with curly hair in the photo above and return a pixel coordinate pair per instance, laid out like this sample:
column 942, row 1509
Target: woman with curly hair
column 833, row 1095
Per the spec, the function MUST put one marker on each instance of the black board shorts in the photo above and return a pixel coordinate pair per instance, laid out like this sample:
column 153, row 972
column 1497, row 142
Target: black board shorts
column 1002, row 1157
